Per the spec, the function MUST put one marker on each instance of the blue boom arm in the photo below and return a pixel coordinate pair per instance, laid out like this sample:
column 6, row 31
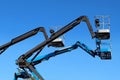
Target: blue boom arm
column 58, row 52
column 25, row 75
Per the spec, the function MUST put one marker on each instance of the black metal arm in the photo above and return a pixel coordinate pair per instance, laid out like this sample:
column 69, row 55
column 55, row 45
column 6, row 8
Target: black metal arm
column 23, row 37
column 59, row 33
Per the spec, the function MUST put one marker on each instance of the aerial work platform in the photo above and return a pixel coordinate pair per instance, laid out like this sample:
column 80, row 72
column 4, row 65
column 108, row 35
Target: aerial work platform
column 27, row 61
column 103, row 41
column 102, row 24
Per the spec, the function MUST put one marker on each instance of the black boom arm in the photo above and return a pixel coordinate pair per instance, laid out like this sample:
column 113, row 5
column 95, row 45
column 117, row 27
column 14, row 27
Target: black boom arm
column 23, row 37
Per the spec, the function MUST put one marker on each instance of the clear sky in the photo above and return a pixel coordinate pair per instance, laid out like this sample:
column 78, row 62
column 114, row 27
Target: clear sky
column 20, row 16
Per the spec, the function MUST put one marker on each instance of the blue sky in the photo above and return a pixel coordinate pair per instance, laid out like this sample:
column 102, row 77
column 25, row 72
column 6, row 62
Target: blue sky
column 20, row 16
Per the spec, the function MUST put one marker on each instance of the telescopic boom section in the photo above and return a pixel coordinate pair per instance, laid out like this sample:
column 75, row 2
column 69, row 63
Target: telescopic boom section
column 23, row 37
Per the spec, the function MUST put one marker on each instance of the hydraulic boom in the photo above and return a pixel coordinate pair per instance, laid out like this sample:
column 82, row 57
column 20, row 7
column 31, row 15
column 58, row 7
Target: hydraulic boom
column 24, row 63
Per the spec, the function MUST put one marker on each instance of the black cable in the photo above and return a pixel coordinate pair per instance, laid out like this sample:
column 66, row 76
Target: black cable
column 36, row 54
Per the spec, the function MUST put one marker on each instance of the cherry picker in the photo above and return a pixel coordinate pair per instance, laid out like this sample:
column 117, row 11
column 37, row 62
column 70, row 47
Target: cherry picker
column 25, row 64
